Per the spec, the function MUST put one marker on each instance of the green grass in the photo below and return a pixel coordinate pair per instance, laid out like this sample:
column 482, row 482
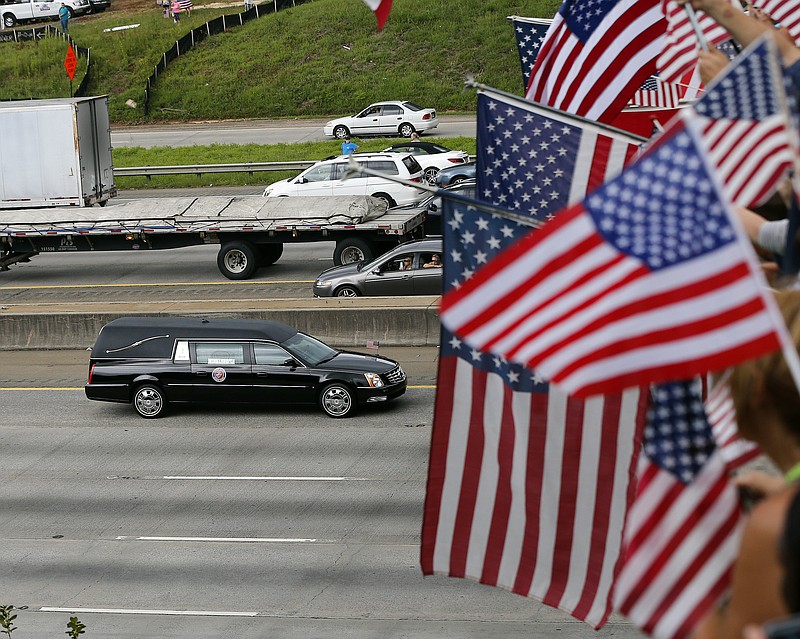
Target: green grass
column 35, row 70
column 319, row 59
column 231, row 153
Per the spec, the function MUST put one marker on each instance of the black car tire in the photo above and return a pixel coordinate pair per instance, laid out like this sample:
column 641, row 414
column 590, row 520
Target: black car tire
column 71, row 12
column 406, row 129
column 341, row 132
column 386, row 198
column 237, row 260
column 9, row 20
column 149, row 401
column 351, row 250
column 268, row 254
column 347, row 291
column 337, row 400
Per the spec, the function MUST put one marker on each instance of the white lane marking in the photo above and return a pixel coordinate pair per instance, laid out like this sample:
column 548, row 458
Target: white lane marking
column 260, row 540
column 235, row 478
column 131, row 611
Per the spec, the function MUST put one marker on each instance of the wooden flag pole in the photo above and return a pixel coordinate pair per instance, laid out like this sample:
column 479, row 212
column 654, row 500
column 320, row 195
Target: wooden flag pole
column 701, row 38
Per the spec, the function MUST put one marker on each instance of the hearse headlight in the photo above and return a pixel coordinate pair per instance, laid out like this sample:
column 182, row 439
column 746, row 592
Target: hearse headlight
column 324, row 283
column 374, row 380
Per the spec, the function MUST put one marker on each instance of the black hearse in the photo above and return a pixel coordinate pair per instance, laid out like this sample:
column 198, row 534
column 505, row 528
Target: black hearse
column 152, row 362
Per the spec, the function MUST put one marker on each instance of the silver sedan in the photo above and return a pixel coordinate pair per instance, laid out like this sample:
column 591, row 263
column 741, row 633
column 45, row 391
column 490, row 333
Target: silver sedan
column 412, row 268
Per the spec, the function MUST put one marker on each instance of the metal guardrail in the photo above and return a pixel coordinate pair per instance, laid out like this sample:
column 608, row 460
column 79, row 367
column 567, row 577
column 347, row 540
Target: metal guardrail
column 200, row 169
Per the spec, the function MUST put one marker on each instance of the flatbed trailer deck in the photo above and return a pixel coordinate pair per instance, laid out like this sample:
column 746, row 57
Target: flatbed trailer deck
column 251, row 230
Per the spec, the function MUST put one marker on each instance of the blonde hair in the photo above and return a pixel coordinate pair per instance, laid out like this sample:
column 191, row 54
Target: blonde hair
column 766, row 381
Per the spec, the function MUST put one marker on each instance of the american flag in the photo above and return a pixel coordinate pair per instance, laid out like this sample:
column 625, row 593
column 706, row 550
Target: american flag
column 681, row 47
column 646, row 280
column 596, row 54
column 527, row 487
column 659, row 94
column 682, row 531
column 785, row 12
column 747, row 126
column 537, row 160
column 529, row 33
column 381, row 8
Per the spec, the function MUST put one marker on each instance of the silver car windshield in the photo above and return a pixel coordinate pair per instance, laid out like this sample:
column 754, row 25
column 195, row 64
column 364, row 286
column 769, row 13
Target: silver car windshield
column 308, row 349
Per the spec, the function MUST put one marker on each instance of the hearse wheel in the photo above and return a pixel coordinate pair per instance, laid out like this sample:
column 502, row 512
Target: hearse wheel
column 149, row 401
column 237, row 260
column 337, row 400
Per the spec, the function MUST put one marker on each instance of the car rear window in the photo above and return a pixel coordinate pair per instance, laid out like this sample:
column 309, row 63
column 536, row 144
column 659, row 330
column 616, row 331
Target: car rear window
column 411, row 106
column 412, row 165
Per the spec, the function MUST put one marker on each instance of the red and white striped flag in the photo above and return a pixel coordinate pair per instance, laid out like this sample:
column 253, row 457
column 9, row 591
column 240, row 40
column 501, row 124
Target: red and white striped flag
column 647, row 280
column 682, row 532
column 592, row 62
column 784, row 12
column 381, row 8
column 747, row 125
column 680, row 52
column 527, row 487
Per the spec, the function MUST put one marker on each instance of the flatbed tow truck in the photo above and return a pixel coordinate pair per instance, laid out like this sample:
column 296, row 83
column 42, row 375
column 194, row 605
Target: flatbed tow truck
column 251, row 230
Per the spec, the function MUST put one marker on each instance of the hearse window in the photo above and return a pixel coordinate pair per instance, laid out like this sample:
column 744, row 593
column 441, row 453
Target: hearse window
column 270, row 355
column 182, row 352
column 219, row 353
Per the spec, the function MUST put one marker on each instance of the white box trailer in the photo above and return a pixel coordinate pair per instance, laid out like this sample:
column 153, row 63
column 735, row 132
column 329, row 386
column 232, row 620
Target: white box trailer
column 55, row 153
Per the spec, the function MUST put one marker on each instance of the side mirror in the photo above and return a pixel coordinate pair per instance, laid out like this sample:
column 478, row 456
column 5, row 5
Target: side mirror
column 377, row 271
column 292, row 362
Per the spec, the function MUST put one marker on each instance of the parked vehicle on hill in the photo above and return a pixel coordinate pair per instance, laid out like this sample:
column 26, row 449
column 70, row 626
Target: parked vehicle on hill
column 20, row 11
column 153, row 362
column 328, row 178
column 401, row 271
column 384, row 118
column 431, row 157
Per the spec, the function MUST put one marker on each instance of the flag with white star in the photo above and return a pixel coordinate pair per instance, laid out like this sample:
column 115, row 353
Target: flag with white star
column 529, row 33
column 596, row 54
column 527, row 487
column 747, row 125
column 537, row 160
column 682, row 532
column 646, row 280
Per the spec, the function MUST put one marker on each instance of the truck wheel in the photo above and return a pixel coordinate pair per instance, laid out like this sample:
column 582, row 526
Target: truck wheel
column 9, row 20
column 149, row 401
column 351, row 250
column 268, row 254
column 337, row 400
column 237, row 260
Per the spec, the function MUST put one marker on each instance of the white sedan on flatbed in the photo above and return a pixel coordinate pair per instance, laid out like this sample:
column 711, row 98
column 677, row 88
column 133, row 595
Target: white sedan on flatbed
column 384, row 118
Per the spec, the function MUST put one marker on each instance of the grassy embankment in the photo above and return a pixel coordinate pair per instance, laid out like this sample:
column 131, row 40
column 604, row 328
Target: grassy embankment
column 320, row 59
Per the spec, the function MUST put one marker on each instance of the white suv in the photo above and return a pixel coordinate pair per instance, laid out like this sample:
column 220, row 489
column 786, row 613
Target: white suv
column 14, row 12
column 326, row 178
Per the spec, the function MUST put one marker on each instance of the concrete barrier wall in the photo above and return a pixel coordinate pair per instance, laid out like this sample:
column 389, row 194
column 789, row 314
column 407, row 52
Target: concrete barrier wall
column 342, row 325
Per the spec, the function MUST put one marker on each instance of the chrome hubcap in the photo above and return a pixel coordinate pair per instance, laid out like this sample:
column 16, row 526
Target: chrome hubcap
column 337, row 401
column 148, row 402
